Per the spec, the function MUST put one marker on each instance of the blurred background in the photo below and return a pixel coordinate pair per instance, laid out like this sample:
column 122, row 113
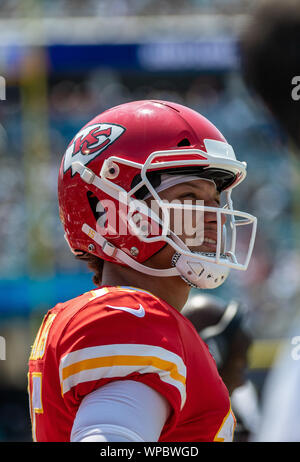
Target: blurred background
column 66, row 61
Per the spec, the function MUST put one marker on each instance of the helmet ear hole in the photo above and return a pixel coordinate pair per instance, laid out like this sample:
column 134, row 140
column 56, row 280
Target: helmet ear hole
column 99, row 212
column 93, row 202
column 184, row 142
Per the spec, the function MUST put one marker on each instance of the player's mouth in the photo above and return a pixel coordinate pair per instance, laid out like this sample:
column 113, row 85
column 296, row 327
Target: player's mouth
column 209, row 244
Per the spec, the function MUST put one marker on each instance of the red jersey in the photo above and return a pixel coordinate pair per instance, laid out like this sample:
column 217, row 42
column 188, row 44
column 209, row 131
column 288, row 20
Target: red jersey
column 117, row 333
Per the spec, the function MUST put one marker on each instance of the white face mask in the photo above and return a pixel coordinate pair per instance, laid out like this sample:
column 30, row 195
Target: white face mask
column 199, row 269
column 205, row 270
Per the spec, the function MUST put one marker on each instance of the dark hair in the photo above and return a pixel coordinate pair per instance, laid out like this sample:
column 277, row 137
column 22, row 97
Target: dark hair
column 270, row 56
column 95, row 264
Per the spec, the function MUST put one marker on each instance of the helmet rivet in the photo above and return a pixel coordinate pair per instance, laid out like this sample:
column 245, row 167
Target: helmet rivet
column 91, row 247
column 134, row 251
column 113, row 171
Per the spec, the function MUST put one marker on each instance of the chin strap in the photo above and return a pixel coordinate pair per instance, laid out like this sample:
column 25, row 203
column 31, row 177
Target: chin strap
column 109, row 249
column 198, row 274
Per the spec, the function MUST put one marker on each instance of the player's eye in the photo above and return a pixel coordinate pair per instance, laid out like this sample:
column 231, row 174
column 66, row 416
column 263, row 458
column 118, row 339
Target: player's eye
column 188, row 195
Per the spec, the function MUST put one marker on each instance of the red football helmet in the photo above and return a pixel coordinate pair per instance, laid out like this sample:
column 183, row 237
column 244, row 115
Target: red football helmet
column 117, row 159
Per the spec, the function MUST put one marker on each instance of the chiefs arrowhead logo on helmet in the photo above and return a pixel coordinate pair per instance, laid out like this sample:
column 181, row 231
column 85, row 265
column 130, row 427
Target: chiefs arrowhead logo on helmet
column 90, row 142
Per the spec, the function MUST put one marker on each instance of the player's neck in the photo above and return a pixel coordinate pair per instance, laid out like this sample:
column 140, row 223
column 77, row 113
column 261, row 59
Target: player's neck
column 173, row 290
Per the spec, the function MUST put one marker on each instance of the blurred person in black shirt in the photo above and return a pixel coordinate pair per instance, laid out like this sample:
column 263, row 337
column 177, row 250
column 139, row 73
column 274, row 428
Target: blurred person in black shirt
column 270, row 47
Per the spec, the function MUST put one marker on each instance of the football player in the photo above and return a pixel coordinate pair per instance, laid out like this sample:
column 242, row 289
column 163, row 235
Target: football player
column 140, row 195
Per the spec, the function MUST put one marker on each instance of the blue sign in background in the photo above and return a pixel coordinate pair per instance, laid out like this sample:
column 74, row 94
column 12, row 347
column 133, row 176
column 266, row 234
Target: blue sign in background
column 206, row 55
column 217, row 54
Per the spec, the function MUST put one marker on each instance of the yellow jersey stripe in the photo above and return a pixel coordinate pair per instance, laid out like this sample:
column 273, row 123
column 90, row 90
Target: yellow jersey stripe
column 109, row 361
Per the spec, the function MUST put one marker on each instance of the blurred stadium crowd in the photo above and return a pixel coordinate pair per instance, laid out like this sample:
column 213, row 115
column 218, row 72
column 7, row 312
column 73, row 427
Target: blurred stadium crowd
column 14, row 8
column 32, row 246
